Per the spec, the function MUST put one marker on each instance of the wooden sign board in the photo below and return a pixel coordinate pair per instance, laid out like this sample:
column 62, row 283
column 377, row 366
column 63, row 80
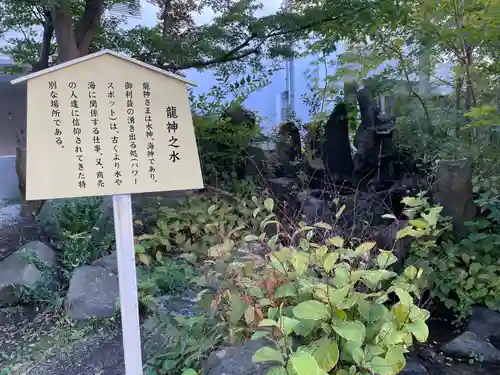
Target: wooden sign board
column 105, row 124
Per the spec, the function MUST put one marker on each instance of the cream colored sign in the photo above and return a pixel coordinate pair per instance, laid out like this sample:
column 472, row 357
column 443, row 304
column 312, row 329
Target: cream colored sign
column 106, row 126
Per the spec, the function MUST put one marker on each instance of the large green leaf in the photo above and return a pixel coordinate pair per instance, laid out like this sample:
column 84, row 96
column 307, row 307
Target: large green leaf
column 277, row 371
column 329, row 260
column 267, row 354
column 304, row 363
column 363, row 248
column 380, row 366
column 286, row 290
column 311, row 310
column 419, row 330
column 326, row 353
column 354, row 350
column 353, row 331
column 287, row 324
column 396, row 358
column 404, row 297
column 237, row 308
column 386, row 259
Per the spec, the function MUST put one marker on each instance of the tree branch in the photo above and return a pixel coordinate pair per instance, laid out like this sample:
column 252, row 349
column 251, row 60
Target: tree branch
column 239, row 52
column 45, row 48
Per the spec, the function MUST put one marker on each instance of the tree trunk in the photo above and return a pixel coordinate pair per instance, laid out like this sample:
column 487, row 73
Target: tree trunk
column 32, row 208
column 72, row 42
column 168, row 18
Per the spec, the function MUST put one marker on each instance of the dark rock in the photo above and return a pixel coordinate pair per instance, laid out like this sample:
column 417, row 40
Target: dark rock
column 485, row 323
column 414, row 367
column 31, row 266
column 284, row 193
column 376, row 155
column 469, row 345
column 282, row 187
column 288, row 144
column 452, row 189
column 430, row 354
column 178, row 305
column 257, row 164
column 313, row 159
column 110, row 262
column 337, row 158
column 92, row 292
column 237, row 360
column 315, row 209
column 240, row 116
column 386, row 240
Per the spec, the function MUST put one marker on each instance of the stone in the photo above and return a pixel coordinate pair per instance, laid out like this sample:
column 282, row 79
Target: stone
column 452, row 189
column 178, row 305
column 386, row 240
column 485, row 323
column 337, row 156
column 413, row 367
column 284, row 192
column 281, row 187
column 110, row 262
column 92, row 292
column 237, row 360
column 288, row 148
column 375, row 152
column 256, row 163
column 315, row 208
column 470, row 345
column 31, row 266
column 240, row 116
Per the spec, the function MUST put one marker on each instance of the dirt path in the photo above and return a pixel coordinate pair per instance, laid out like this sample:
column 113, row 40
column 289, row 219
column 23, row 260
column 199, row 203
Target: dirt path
column 39, row 343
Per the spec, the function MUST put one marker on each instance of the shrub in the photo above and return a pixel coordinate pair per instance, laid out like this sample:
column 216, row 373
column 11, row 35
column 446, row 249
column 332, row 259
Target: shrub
column 197, row 224
column 322, row 304
column 170, row 277
column 74, row 220
column 462, row 272
column 222, row 147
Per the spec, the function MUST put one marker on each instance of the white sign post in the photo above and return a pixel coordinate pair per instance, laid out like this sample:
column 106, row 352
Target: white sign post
column 129, row 307
column 105, row 124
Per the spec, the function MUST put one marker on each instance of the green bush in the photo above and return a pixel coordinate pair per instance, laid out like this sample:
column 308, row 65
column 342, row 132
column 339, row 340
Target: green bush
column 323, row 304
column 460, row 272
column 74, row 220
column 170, row 278
column 222, row 147
column 198, row 227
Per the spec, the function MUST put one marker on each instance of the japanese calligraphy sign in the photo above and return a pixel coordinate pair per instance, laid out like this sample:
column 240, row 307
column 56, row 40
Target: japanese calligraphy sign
column 105, row 125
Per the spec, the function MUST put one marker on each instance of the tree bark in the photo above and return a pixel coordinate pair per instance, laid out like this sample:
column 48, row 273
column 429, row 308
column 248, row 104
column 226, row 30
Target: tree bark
column 168, row 18
column 72, row 42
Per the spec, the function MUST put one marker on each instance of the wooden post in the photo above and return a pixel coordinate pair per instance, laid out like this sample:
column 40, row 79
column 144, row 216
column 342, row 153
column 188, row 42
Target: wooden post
column 124, row 231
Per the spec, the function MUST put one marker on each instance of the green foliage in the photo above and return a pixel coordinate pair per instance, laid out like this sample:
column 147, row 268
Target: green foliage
column 461, row 272
column 73, row 221
column 222, row 148
column 332, row 300
column 176, row 343
column 223, row 145
column 75, row 215
column 170, row 277
column 199, row 227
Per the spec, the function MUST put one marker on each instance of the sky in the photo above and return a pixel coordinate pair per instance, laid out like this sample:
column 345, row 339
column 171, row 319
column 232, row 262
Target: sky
column 267, row 101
